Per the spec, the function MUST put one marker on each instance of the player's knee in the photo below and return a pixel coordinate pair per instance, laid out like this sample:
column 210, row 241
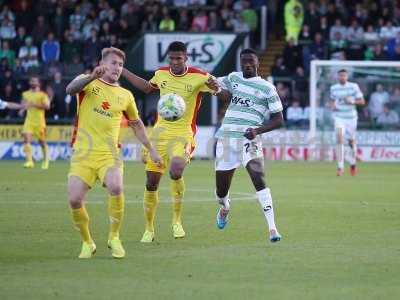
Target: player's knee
column 115, row 189
column 151, row 186
column 75, row 200
column 221, row 192
column 176, row 171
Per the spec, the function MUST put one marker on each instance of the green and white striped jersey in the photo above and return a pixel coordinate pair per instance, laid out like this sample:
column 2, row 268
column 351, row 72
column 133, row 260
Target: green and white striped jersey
column 252, row 100
column 339, row 93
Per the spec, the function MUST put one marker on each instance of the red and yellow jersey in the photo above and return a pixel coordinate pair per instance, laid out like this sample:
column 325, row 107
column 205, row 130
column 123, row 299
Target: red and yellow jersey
column 189, row 86
column 35, row 116
column 101, row 107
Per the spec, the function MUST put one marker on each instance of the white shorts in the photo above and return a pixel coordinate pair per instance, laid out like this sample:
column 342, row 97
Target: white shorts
column 347, row 126
column 231, row 153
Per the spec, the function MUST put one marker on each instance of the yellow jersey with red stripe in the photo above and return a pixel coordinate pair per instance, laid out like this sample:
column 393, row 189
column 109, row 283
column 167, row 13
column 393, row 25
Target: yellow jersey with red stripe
column 190, row 86
column 35, row 116
column 101, row 107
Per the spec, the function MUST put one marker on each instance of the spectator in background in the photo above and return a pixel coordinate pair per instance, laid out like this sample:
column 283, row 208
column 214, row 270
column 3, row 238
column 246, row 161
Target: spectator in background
column 7, row 29
column 388, row 31
column 75, row 68
column 279, row 69
column 317, row 47
column 305, row 36
column 388, row 118
column 250, row 17
column 50, row 49
column 19, row 71
column 200, row 22
column 294, row 15
column 9, row 94
column 6, row 13
column 338, row 44
column 370, row 37
column 58, row 87
column 324, row 28
column 28, row 54
column 396, row 55
column 105, row 34
column 295, row 115
column 181, row 3
column 88, row 25
column 77, row 18
column 167, row 24
column 124, row 32
column 40, row 30
column 150, row 23
column 59, row 22
column 390, row 46
column 214, row 22
column 394, row 100
column 355, row 39
column 91, row 49
column 312, row 16
column 332, row 14
column 70, row 48
column 377, row 100
column 292, row 55
column 378, row 53
column 338, row 27
column 19, row 40
column 300, row 84
column 8, row 53
column 184, row 20
column 24, row 15
column 284, row 93
column 238, row 25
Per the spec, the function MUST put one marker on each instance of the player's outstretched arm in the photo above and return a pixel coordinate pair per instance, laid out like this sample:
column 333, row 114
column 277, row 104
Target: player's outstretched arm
column 140, row 132
column 137, row 82
column 79, row 83
column 10, row 105
column 275, row 121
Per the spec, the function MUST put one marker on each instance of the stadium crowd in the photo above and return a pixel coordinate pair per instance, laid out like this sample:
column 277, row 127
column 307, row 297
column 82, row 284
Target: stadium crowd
column 60, row 39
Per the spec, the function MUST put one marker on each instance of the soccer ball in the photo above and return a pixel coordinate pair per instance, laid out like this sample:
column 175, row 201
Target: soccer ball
column 171, row 107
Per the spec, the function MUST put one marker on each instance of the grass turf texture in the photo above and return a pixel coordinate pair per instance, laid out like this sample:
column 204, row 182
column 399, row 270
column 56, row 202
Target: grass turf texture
column 341, row 238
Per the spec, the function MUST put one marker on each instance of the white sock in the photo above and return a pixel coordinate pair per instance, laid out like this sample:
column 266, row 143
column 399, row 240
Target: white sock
column 265, row 200
column 340, row 155
column 224, row 202
column 353, row 156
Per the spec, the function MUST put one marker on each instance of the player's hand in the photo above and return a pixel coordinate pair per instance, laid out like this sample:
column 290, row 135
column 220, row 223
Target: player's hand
column 98, row 72
column 155, row 157
column 250, row 133
column 349, row 100
column 212, row 83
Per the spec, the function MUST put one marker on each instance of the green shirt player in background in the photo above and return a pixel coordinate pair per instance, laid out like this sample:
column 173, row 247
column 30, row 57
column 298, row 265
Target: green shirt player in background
column 252, row 99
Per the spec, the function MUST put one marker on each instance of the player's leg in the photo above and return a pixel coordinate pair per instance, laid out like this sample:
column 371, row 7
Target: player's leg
column 223, row 179
column 255, row 168
column 77, row 190
column 177, row 188
column 27, row 138
column 339, row 129
column 150, row 204
column 45, row 149
column 113, row 180
column 351, row 131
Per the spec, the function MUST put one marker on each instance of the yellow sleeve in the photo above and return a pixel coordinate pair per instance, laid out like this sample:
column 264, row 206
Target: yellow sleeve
column 204, row 87
column 24, row 96
column 154, row 81
column 45, row 99
column 131, row 111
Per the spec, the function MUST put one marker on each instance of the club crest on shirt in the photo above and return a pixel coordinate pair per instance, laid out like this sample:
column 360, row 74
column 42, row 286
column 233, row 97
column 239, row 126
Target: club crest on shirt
column 163, row 84
column 188, row 88
column 96, row 90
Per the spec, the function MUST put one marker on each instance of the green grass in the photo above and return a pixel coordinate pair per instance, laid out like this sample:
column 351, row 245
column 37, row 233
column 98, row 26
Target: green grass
column 341, row 238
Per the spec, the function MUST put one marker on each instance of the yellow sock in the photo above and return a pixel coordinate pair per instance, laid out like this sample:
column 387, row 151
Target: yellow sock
column 45, row 151
column 28, row 152
column 116, row 205
column 177, row 192
column 150, row 205
column 81, row 221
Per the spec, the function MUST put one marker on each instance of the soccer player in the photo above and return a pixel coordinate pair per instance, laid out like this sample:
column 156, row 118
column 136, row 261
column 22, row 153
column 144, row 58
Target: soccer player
column 173, row 140
column 35, row 102
column 101, row 105
column 239, row 143
column 345, row 96
column 10, row 105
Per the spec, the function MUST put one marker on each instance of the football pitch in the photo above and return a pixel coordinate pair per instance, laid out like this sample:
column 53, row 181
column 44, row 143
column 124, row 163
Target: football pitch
column 341, row 237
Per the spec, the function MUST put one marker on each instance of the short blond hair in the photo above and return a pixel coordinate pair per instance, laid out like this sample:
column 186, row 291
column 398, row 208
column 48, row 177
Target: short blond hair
column 112, row 50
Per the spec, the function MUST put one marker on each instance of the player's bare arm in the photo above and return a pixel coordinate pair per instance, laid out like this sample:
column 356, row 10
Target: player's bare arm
column 357, row 101
column 79, row 83
column 14, row 105
column 137, row 82
column 140, row 132
column 275, row 121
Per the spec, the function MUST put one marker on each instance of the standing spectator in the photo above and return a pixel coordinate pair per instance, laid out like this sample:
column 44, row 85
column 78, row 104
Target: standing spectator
column 24, row 15
column 70, row 48
column 238, row 25
column 338, row 44
column 19, row 40
column 378, row 53
column 87, row 27
column 183, row 20
column 284, row 93
column 294, row 15
column 50, row 49
column 305, row 37
column 295, row 114
column 388, row 118
column 91, row 49
column 214, row 22
column 279, row 69
column 150, row 23
column 59, row 22
column 292, row 55
column 8, row 53
column 312, row 16
column 251, row 19
column 124, row 32
column 40, row 30
column 7, row 29
column 332, row 14
column 58, row 87
column 355, row 39
column 391, row 44
column 167, row 24
column 29, row 54
column 6, row 13
column 9, row 94
column 338, row 27
column 377, row 100
column 317, row 47
column 324, row 28
column 300, row 84
column 75, row 68
column 200, row 22
column 77, row 18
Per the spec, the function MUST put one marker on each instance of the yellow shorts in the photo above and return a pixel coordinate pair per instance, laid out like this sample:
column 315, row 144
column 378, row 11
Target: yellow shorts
column 38, row 131
column 168, row 148
column 93, row 167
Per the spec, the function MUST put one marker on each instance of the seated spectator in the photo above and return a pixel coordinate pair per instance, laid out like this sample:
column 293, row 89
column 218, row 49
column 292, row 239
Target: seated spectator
column 355, row 39
column 324, row 28
column 29, row 54
column 388, row 31
column 77, row 18
column 338, row 27
column 238, row 25
column 279, row 69
column 305, row 36
column 8, row 53
column 6, row 13
column 167, row 23
column 70, row 47
column 200, row 22
column 292, row 55
column 378, row 53
column 7, row 30
column 19, row 40
column 317, row 47
column 9, row 94
column 295, row 115
column 338, row 44
column 50, row 49
column 388, row 118
column 150, row 23
column 377, row 100
column 312, row 16
column 300, row 84
column 87, row 27
column 59, row 22
column 390, row 46
column 371, row 36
